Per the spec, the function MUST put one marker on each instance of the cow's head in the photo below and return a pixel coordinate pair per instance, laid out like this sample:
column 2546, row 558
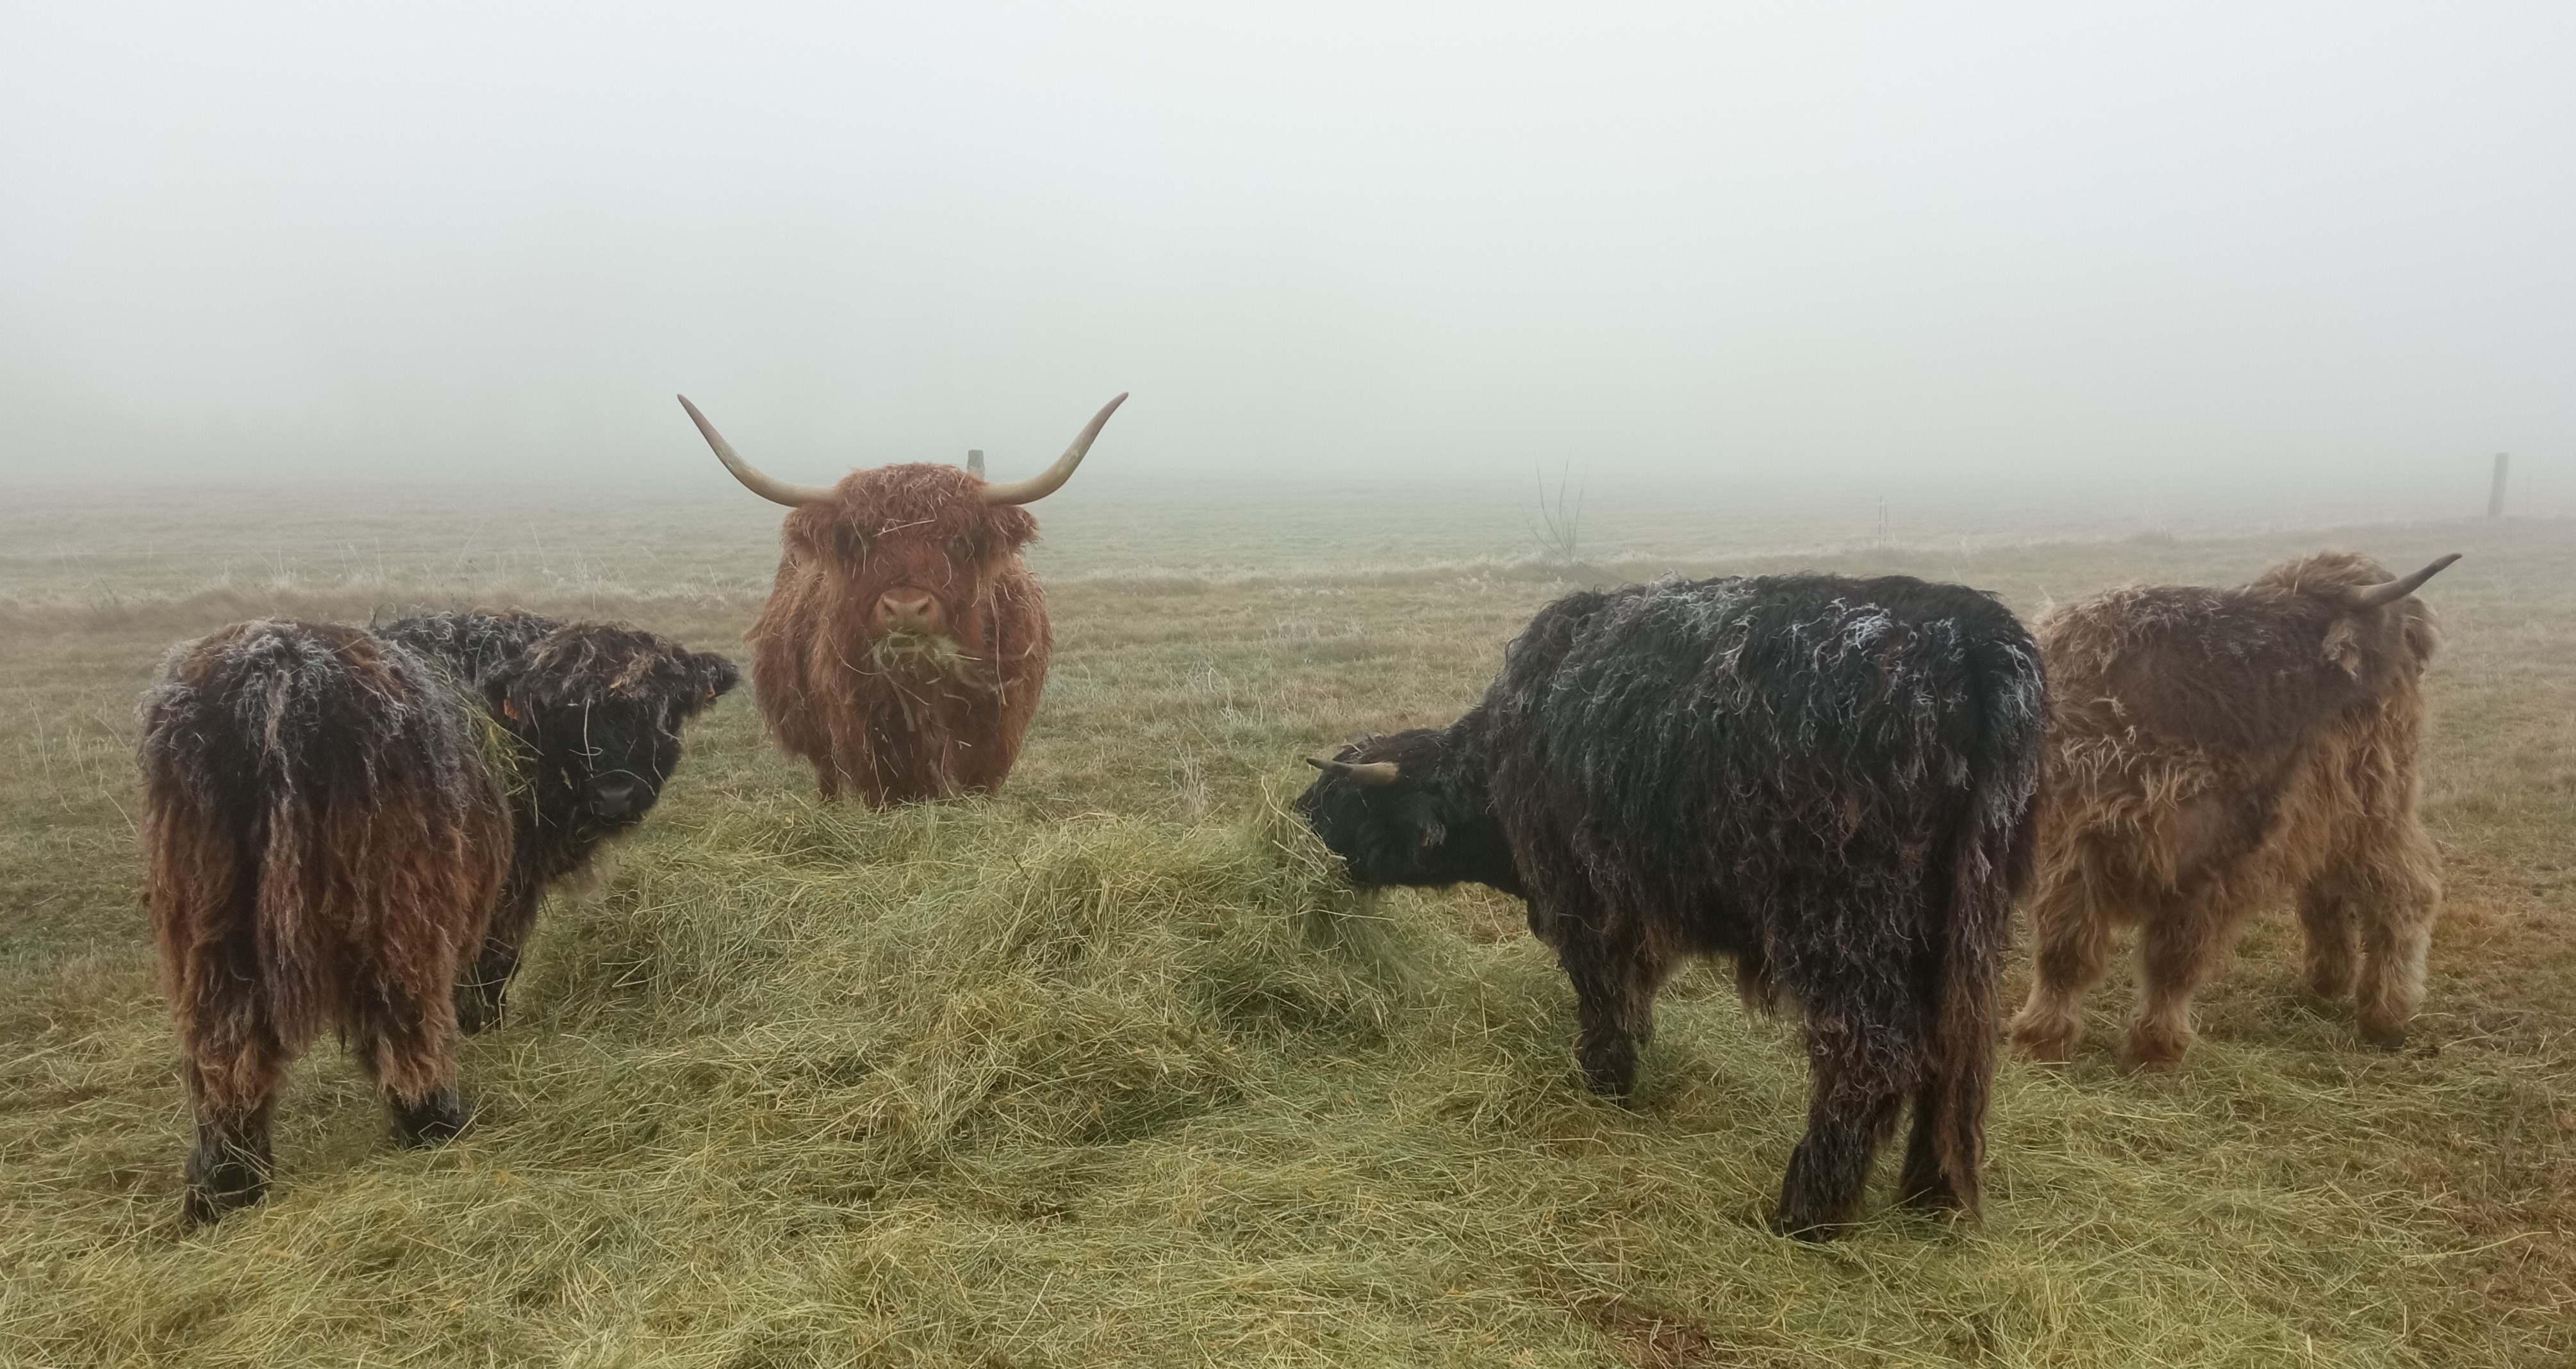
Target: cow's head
column 600, row 709
column 1410, row 808
column 2372, row 626
column 910, row 548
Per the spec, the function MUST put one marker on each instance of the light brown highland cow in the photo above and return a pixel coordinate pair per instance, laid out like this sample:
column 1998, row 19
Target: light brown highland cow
column 2214, row 750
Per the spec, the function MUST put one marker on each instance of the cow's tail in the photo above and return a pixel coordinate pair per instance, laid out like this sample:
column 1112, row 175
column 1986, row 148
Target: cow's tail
column 244, row 872
column 1990, row 866
column 296, row 925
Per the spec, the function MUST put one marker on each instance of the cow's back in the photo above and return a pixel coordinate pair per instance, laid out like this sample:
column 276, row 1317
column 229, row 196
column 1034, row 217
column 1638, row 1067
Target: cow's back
column 2192, row 727
column 1692, row 747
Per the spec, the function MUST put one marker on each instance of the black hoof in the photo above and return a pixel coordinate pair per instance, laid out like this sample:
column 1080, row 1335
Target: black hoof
column 206, row 1206
column 1812, row 1230
column 442, row 1116
column 478, row 1010
column 220, row 1180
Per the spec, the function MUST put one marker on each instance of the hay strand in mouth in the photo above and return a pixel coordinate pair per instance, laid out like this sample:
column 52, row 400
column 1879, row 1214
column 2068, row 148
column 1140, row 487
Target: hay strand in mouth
column 924, row 657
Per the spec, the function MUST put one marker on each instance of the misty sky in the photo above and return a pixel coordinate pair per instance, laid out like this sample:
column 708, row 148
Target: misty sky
column 257, row 241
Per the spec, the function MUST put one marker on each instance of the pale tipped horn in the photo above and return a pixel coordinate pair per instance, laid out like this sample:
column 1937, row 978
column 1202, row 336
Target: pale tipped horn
column 1050, row 480
column 2390, row 591
column 775, row 491
column 1366, row 774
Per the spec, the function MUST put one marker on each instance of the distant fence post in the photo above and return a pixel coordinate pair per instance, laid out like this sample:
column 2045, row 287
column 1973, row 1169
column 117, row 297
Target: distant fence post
column 2495, row 493
column 975, row 464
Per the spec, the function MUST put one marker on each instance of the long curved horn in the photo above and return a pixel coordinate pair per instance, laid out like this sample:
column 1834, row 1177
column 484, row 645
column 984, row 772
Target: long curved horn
column 1053, row 477
column 775, row 491
column 2390, row 591
column 1366, row 774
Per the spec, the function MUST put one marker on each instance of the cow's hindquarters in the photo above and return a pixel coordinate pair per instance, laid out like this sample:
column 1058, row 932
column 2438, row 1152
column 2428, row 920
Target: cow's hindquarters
column 325, row 847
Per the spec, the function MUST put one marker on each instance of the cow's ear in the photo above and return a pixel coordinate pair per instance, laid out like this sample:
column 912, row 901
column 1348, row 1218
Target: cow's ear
column 2343, row 646
column 516, row 714
column 714, row 676
column 1423, row 816
column 501, row 695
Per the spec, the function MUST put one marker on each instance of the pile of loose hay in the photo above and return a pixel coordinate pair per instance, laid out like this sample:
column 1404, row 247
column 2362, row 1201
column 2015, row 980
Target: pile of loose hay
column 943, row 1085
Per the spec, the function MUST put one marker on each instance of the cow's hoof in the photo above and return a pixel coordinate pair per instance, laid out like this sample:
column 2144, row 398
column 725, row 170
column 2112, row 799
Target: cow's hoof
column 2043, row 1051
column 2150, row 1060
column 214, row 1190
column 442, row 1116
column 1812, row 1230
column 1623, row 1093
column 1928, row 1193
column 2045, row 1040
column 205, row 1207
column 2390, row 1039
column 478, row 1010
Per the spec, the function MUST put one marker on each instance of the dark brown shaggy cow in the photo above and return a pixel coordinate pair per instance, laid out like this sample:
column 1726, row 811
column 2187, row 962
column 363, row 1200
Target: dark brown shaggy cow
column 1827, row 779
column 350, row 828
column 2214, row 749
column 905, row 642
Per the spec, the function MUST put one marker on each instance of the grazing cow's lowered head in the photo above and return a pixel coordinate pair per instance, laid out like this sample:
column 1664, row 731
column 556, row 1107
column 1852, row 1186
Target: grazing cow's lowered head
column 905, row 642
column 1411, row 808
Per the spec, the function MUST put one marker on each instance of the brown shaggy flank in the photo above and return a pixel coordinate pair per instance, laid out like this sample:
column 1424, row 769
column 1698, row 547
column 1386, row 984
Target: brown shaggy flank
column 2212, row 750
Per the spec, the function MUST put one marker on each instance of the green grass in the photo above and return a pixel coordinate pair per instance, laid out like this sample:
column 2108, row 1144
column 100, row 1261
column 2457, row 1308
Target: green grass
column 1111, row 1070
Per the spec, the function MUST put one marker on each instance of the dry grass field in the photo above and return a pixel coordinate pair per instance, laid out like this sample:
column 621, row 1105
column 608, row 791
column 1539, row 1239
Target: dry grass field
column 1111, row 1071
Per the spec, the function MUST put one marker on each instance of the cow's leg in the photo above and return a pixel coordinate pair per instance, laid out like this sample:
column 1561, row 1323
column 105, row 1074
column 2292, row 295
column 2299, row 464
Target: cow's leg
column 1615, row 978
column 234, row 1066
column 1923, row 1182
column 480, row 992
column 2404, row 896
column 1858, row 1079
column 2071, row 935
column 2177, row 944
column 403, row 1031
column 1844, row 957
column 2330, row 921
column 1947, row 1144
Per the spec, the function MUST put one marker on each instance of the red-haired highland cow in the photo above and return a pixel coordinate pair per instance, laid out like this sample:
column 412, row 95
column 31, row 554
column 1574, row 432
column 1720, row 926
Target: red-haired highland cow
column 905, row 642
column 2212, row 750
column 352, row 829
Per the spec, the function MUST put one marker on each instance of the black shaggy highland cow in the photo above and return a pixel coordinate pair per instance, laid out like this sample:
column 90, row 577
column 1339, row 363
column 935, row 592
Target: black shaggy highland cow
column 352, row 828
column 1828, row 779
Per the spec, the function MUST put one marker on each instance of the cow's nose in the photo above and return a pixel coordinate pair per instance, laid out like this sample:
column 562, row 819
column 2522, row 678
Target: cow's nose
column 614, row 795
column 908, row 610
